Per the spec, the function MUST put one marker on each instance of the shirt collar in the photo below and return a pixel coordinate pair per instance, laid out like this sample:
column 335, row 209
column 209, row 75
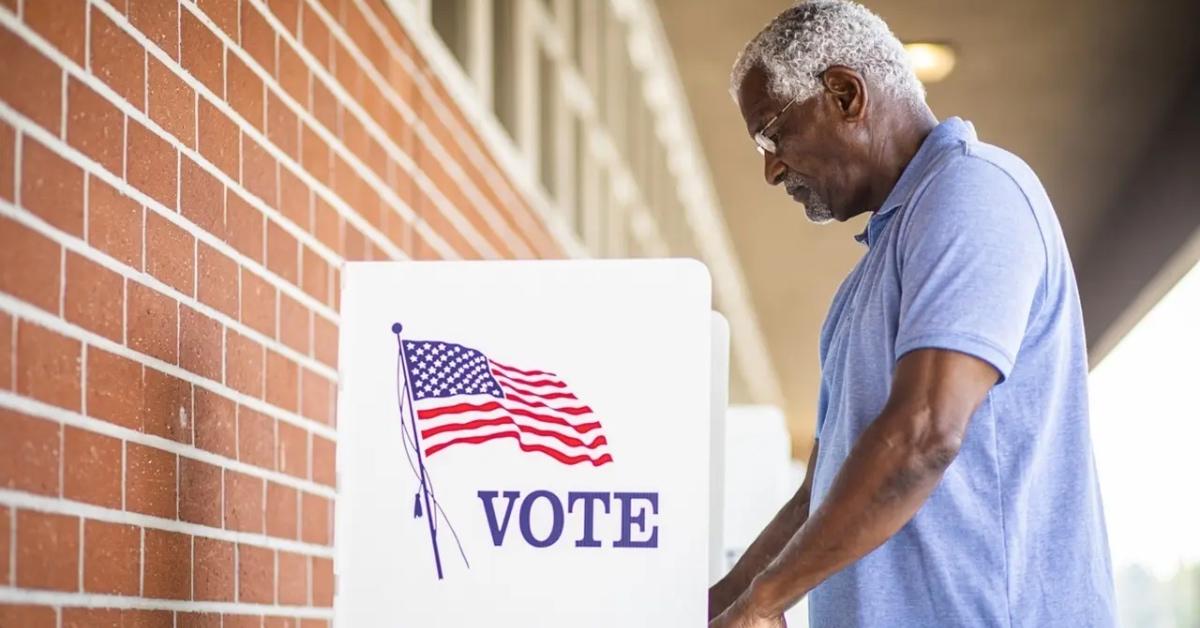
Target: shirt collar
column 950, row 132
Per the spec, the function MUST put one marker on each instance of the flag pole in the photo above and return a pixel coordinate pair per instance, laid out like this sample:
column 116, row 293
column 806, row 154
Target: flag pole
column 437, row 559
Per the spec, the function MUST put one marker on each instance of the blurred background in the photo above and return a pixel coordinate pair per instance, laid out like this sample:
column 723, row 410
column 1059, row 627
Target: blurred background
column 181, row 180
column 1101, row 98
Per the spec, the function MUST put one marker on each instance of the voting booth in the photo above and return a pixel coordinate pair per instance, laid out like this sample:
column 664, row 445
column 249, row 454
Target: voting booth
column 525, row 443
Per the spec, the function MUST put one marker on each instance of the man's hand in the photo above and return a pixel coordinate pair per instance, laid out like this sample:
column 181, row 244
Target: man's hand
column 741, row 615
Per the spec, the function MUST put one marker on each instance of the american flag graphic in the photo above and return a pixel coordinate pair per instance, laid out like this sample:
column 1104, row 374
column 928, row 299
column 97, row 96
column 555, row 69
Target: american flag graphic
column 462, row 397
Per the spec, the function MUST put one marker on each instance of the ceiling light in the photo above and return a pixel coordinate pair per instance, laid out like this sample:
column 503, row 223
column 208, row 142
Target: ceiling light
column 931, row 61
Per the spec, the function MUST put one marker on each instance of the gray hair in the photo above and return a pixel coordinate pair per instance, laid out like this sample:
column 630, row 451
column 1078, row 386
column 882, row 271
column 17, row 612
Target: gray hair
column 811, row 36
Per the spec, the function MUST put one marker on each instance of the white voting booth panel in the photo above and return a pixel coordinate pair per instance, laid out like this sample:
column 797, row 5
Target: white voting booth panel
column 524, row 444
column 716, row 493
column 759, row 478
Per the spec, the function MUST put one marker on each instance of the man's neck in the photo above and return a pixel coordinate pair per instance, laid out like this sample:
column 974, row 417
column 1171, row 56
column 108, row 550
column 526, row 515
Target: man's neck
column 899, row 137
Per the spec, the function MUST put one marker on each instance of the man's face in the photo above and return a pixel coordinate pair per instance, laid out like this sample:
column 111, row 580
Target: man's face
column 817, row 155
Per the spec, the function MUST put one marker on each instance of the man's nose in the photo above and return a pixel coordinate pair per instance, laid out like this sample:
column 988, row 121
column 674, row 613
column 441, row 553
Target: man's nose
column 773, row 168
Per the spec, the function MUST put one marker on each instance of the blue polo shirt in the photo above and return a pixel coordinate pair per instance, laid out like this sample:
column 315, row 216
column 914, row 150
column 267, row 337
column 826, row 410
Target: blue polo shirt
column 966, row 254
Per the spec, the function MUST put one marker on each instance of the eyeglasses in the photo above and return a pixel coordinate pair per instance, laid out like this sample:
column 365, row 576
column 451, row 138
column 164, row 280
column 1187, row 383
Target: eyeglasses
column 764, row 143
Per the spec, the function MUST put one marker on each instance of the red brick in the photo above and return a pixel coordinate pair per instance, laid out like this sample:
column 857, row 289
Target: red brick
column 243, row 621
column 213, row 570
column 243, row 226
column 6, row 547
column 258, row 303
column 52, row 187
column 166, row 404
column 114, row 388
column 197, row 620
column 29, row 453
column 313, row 623
column 244, row 91
column 200, row 492
column 256, row 438
column 314, row 155
column 134, row 618
column 159, row 20
column 243, row 502
column 283, row 382
column 218, row 277
column 114, row 223
column 95, row 127
column 224, row 13
column 151, row 164
column 258, row 38
column 215, row 422
column 293, row 579
column 324, row 106
column 282, row 252
column 150, row 481
column 283, row 127
column 167, row 571
column 202, row 53
column 91, row 617
column 315, row 36
column 7, row 354
column 172, row 104
column 29, row 616
column 295, row 199
column 292, row 74
column 201, row 197
column 94, row 297
column 60, row 23
column 324, row 452
column 316, row 397
column 316, row 275
column 112, row 558
column 325, row 340
column 30, row 265
column 150, row 319
column 293, row 450
column 94, row 472
column 169, row 253
column 314, row 519
column 284, row 622
column 47, row 551
column 355, row 246
column 117, row 59
column 29, row 82
column 322, row 582
column 258, row 170
column 243, row 364
column 293, row 323
column 327, row 224
column 48, row 366
column 256, row 574
column 8, row 160
column 282, row 506
column 288, row 13
column 200, row 343
column 218, row 138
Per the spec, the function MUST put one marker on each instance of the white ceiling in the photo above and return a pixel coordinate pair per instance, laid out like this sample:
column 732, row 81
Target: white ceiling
column 1076, row 87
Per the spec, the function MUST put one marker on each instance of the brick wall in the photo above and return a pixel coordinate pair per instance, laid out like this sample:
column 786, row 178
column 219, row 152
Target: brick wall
column 179, row 184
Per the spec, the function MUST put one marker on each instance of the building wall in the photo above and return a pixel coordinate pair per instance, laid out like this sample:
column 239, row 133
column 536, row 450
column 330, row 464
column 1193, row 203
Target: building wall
column 179, row 184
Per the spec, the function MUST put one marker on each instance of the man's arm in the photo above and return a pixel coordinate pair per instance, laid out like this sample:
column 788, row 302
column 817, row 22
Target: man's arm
column 890, row 472
column 766, row 547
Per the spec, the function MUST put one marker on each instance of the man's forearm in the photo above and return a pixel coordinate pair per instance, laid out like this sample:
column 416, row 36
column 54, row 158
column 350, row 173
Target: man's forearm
column 884, row 481
column 764, row 549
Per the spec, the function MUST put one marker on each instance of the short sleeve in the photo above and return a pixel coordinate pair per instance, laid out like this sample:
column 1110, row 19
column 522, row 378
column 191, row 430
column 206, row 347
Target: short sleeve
column 972, row 259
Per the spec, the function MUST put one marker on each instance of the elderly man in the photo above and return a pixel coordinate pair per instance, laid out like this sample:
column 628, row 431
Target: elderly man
column 952, row 481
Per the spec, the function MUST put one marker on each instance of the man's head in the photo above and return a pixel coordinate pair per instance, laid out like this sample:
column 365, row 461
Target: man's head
column 840, row 78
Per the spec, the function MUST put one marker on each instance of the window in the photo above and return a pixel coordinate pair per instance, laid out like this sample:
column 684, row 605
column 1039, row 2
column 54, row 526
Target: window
column 548, row 101
column 449, row 20
column 504, row 59
column 582, row 163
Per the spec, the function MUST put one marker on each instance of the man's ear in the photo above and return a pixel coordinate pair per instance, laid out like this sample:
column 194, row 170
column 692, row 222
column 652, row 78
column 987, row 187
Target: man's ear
column 848, row 88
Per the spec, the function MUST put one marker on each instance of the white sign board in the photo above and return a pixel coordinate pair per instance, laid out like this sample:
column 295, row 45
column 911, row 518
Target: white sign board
column 716, row 491
column 524, row 444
